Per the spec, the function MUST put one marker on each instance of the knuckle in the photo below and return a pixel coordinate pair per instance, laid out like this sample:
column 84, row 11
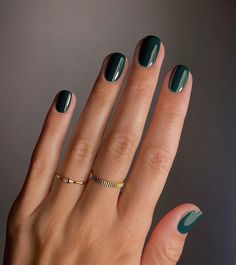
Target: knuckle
column 38, row 165
column 157, row 158
column 88, row 231
column 82, row 151
column 16, row 221
column 169, row 252
column 100, row 95
column 13, row 227
column 47, row 228
column 139, row 90
column 172, row 111
column 50, row 127
column 120, row 144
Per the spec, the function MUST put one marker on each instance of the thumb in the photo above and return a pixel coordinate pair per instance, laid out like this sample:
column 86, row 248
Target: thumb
column 166, row 243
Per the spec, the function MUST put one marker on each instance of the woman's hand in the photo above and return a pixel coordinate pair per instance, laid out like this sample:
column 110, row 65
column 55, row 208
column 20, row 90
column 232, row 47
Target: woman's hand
column 54, row 222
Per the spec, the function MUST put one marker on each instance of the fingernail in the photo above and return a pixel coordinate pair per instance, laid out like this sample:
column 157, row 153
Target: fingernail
column 178, row 78
column 188, row 221
column 149, row 50
column 63, row 101
column 115, row 67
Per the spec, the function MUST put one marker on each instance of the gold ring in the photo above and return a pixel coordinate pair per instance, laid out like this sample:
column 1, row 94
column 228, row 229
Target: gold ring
column 70, row 181
column 107, row 183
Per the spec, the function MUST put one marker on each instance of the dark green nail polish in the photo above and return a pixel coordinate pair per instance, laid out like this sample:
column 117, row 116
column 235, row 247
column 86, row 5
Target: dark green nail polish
column 188, row 221
column 63, row 101
column 149, row 50
column 115, row 67
column 179, row 78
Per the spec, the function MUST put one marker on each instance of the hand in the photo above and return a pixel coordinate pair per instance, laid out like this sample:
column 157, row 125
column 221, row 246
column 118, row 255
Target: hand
column 53, row 222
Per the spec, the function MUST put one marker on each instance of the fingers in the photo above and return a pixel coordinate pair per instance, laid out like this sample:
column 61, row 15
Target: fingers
column 47, row 151
column 167, row 240
column 117, row 151
column 90, row 129
column 159, row 147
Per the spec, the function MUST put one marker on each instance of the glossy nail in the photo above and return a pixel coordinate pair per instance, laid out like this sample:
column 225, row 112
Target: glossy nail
column 178, row 78
column 115, row 67
column 149, row 50
column 63, row 101
column 188, row 221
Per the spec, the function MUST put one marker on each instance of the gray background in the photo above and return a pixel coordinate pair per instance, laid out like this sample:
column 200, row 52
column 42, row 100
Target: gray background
column 48, row 45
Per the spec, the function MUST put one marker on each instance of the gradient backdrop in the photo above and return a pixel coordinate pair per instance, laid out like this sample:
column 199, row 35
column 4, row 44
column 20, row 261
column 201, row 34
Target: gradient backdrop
column 49, row 45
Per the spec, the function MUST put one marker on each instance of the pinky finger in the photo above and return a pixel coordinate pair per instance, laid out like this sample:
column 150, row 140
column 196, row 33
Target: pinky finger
column 168, row 238
column 46, row 154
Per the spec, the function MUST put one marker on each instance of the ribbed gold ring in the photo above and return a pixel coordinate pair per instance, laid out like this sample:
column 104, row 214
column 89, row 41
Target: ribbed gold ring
column 106, row 183
column 69, row 181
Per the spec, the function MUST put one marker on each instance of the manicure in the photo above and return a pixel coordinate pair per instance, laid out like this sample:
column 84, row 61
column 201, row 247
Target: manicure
column 63, row 101
column 188, row 221
column 149, row 50
column 115, row 67
column 178, row 78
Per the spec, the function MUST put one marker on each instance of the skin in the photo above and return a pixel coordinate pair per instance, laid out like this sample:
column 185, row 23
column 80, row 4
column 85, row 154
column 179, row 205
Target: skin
column 52, row 222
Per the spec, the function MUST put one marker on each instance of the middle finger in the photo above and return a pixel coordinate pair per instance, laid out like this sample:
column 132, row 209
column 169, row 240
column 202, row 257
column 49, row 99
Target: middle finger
column 116, row 153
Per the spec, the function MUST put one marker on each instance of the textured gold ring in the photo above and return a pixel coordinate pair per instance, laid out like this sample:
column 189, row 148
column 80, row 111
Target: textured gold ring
column 70, row 181
column 106, row 183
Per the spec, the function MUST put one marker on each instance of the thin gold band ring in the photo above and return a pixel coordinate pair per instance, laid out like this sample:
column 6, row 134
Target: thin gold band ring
column 102, row 182
column 70, row 181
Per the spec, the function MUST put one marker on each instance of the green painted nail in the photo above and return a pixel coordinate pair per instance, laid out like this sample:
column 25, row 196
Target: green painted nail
column 149, row 50
column 188, row 221
column 115, row 67
column 179, row 78
column 63, row 101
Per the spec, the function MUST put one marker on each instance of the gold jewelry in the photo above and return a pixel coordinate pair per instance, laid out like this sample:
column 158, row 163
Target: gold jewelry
column 107, row 183
column 70, row 181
